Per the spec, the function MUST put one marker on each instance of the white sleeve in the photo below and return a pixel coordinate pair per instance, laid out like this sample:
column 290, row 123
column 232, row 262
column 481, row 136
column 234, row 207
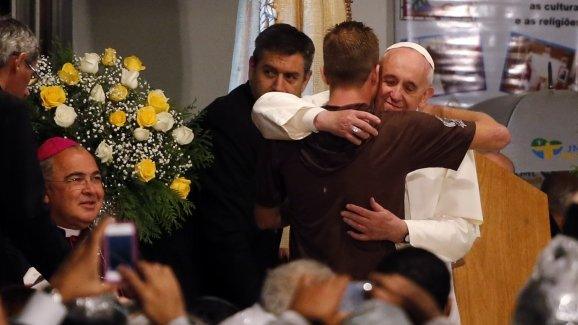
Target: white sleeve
column 454, row 226
column 450, row 238
column 41, row 309
column 283, row 116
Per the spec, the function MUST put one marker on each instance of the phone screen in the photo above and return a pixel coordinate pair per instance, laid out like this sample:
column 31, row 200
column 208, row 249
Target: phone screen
column 119, row 249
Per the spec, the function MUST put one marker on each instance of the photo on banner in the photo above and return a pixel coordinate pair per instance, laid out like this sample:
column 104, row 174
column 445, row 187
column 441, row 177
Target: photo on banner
column 505, row 50
column 426, row 10
column 493, row 56
column 458, row 60
column 526, row 65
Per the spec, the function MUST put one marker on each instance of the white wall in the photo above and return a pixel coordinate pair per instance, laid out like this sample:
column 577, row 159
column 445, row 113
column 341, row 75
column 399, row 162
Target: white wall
column 377, row 14
column 185, row 45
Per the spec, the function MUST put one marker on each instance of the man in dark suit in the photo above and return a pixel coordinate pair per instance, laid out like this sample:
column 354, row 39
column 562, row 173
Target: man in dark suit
column 234, row 252
column 24, row 223
column 74, row 195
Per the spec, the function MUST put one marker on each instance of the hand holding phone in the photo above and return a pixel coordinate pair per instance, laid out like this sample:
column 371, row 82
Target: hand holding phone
column 119, row 248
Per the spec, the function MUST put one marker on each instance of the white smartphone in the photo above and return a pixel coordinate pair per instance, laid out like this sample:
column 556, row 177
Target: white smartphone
column 119, row 248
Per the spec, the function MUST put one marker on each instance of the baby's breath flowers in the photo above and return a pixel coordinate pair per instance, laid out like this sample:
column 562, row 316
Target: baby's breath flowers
column 138, row 139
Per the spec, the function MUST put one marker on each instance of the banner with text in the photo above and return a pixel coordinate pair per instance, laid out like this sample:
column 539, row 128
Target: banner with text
column 486, row 48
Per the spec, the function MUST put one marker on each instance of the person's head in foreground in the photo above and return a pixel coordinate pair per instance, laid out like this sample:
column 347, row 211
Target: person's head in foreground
column 281, row 282
column 550, row 295
column 422, row 267
column 281, row 61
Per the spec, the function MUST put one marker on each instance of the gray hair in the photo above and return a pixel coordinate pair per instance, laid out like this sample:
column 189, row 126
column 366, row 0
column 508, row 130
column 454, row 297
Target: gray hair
column 15, row 37
column 47, row 165
column 281, row 282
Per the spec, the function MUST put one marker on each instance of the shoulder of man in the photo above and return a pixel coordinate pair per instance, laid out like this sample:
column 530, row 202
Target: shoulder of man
column 281, row 150
column 15, row 117
column 12, row 104
column 424, row 118
column 222, row 109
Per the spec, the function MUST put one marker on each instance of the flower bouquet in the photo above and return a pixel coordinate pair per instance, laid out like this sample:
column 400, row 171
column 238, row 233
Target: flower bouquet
column 148, row 155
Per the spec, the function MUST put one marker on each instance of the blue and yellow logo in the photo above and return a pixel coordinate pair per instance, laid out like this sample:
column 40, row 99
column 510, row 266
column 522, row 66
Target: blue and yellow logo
column 545, row 149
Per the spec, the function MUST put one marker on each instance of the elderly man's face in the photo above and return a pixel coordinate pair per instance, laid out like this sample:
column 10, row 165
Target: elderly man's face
column 278, row 72
column 404, row 83
column 21, row 73
column 74, row 192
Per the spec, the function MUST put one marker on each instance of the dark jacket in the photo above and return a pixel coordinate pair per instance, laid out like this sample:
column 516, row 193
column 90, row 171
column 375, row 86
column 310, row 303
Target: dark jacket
column 236, row 252
column 24, row 220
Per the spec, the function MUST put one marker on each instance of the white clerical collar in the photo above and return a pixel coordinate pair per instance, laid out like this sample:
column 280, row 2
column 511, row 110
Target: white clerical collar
column 70, row 232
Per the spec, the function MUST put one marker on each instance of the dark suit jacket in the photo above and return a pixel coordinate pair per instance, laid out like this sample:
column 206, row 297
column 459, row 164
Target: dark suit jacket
column 236, row 253
column 23, row 219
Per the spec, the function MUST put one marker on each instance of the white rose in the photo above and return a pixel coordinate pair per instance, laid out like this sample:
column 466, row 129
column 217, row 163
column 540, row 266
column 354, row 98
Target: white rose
column 97, row 94
column 89, row 63
column 183, row 135
column 129, row 78
column 141, row 134
column 64, row 115
column 104, row 152
column 165, row 122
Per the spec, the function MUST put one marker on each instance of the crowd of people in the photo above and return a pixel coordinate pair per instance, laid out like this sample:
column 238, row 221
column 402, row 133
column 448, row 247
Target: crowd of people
column 378, row 186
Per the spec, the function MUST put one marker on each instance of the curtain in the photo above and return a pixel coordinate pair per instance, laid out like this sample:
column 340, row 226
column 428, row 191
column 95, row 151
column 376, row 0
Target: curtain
column 253, row 16
column 314, row 18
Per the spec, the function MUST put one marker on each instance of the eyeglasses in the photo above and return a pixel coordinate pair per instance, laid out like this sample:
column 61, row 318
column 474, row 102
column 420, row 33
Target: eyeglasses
column 33, row 69
column 35, row 74
column 80, row 182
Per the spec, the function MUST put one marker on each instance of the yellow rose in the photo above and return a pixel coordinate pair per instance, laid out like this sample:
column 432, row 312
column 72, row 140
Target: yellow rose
column 52, row 96
column 68, row 74
column 145, row 170
column 133, row 63
column 117, row 118
column 118, row 93
column 158, row 100
column 146, row 116
column 182, row 186
column 109, row 57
